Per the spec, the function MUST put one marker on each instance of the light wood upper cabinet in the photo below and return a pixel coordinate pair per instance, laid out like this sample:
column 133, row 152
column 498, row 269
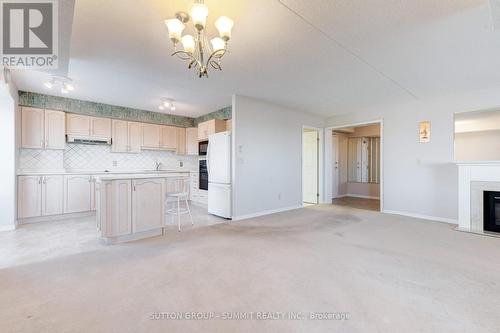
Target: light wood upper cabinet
column 168, row 137
column 151, row 136
column 210, row 127
column 127, row 137
column 77, row 125
column 134, row 137
column 52, row 195
column 100, row 128
column 120, row 136
column 192, row 141
column 32, row 132
column 88, row 127
column 181, row 141
column 147, row 204
column 55, row 129
column 42, row 129
column 77, row 194
column 29, row 196
column 229, row 125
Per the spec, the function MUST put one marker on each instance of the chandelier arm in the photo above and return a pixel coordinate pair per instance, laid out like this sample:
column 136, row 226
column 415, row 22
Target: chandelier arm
column 183, row 55
column 215, row 54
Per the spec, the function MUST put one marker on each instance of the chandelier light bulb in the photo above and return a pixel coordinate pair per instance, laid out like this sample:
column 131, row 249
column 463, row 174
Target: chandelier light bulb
column 175, row 28
column 224, row 24
column 199, row 14
column 161, row 107
column 172, row 108
column 166, row 104
column 188, row 43
column 64, row 90
column 218, row 44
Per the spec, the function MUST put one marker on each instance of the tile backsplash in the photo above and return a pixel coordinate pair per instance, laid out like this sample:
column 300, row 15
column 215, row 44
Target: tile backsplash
column 100, row 157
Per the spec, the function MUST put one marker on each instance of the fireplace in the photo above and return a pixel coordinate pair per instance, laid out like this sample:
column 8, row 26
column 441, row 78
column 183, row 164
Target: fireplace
column 491, row 211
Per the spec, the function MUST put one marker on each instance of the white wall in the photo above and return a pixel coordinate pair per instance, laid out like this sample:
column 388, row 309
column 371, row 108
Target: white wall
column 477, row 146
column 8, row 152
column 421, row 178
column 267, row 156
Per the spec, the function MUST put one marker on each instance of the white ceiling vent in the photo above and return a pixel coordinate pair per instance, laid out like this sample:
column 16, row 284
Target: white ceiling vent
column 495, row 13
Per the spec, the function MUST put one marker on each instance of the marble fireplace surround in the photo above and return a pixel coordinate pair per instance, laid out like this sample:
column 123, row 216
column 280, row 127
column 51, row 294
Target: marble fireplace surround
column 474, row 179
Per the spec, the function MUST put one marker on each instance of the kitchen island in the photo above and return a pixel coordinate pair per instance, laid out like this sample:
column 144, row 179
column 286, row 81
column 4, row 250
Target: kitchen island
column 131, row 206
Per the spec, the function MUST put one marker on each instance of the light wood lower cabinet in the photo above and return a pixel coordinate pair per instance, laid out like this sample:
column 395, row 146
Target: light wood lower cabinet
column 115, row 208
column 148, row 196
column 52, row 195
column 29, row 196
column 77, row 193
column 39, row 196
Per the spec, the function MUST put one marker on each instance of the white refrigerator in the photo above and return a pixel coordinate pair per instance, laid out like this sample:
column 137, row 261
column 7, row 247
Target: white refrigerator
column 219, row 174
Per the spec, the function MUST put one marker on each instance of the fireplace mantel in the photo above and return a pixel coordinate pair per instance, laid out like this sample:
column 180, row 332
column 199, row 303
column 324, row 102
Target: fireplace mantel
column 473, row 179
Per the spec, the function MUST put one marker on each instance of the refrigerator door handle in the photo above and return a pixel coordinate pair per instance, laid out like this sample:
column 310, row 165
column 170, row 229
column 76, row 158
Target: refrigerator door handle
column 208, row 160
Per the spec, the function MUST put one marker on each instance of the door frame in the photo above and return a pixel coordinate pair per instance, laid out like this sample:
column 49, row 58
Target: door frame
column 321, row 198
column 328, row 156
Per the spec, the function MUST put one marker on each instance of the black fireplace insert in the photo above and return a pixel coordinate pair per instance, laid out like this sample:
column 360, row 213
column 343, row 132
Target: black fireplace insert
column 491, row 211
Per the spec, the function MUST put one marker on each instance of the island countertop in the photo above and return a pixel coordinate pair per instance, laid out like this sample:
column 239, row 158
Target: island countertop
column 163, row 174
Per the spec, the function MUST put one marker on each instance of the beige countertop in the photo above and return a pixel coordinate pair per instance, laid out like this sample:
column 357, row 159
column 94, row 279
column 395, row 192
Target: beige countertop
column 100, row 172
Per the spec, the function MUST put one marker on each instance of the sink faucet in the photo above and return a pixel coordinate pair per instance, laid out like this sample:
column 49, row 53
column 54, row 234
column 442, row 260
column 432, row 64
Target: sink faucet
column 158, row 166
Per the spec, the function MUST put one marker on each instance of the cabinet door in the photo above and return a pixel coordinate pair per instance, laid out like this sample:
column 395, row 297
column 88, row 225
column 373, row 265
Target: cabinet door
column 32, row 127
column 203, row 131
column 150, row 136
column 52, row 195
column 55, row 129
column 229, row 125
column 119, row 136
column 181, row 141
column 192, row 141
column 116, row 208
column 148, row 198
column 134, row 137
column 169, row 137
column 77, row 125
column 29, row 196
column 92, row 193
column 77, row 194
column 100, row 128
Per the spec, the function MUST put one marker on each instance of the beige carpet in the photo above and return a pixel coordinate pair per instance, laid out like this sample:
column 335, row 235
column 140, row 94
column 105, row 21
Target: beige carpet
column 387, row 273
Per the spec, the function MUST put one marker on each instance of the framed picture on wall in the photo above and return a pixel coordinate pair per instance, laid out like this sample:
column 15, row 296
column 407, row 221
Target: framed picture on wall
column 425, row 131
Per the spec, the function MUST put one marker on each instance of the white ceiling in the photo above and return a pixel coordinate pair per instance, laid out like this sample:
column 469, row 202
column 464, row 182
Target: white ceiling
column 320, row 56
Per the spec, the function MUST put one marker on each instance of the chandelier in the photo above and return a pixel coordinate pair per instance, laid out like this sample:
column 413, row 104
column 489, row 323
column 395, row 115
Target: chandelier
column 199, row 53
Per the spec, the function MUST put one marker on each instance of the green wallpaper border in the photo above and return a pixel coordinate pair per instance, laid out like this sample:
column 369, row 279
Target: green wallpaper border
column 116, row 112
column 101, row 110
column 225, row 113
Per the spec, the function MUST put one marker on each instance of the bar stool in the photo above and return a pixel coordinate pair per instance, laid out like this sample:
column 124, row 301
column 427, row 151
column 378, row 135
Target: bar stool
column 177, row 191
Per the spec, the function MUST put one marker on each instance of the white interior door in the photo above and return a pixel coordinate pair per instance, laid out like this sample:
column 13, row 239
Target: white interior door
column 335, row 166
column 310, row 167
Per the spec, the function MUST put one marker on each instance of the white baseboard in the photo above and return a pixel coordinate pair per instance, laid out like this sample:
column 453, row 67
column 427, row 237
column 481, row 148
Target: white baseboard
column 266, row 212
column 420, row 216
column 357, row 196
column 9, row 227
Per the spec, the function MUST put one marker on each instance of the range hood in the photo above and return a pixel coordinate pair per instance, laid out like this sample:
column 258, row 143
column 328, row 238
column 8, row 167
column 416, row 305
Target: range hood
column 88, row 141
